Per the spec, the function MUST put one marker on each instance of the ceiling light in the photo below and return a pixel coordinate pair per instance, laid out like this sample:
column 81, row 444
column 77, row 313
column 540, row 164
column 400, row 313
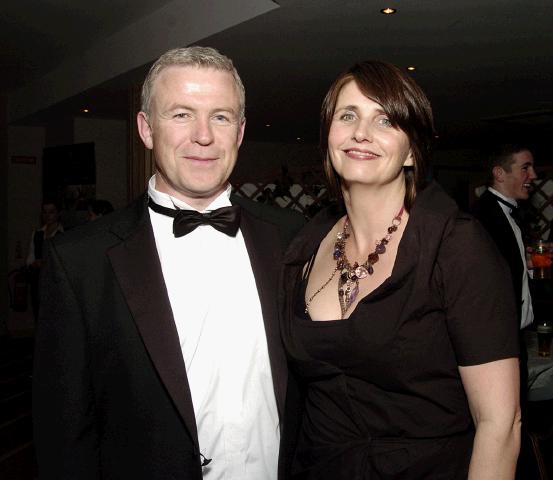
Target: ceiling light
column 298, row 138
column 388, row 11
column 85, row 110
column 267, row 124
column 411, row 68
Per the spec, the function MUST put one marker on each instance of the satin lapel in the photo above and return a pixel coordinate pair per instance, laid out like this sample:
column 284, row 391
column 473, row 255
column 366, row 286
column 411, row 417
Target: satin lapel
column 138, row 271
column 262, row 242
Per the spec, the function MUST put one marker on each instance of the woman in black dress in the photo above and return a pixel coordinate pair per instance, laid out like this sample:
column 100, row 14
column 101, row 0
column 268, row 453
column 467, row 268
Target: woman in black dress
column 399, row 321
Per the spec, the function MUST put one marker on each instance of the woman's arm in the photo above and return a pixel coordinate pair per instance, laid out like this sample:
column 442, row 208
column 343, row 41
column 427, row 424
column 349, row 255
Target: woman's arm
column 493, row 394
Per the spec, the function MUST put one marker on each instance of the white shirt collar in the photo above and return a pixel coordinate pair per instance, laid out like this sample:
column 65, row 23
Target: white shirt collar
column 512, row 201
column 166, row 200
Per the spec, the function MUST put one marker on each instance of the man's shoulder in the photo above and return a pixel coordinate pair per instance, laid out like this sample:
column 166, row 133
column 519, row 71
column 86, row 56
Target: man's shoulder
column 101, row 233
column 486, row 207
column 288, row 222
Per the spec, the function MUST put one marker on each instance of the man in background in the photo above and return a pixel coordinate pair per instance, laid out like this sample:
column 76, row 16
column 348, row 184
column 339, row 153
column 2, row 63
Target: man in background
column 511, row 172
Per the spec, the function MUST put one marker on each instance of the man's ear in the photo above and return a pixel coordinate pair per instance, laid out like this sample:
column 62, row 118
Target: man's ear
column 409, row 161
column 144, row 130
column 498, row 173
column 241, row 130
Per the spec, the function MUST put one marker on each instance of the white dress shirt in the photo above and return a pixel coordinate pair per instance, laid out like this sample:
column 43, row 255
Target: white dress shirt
column 217, row 312
column 527, row 314
column 31, row 256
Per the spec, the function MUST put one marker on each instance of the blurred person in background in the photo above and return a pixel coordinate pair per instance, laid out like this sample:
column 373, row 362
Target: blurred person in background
column 51, row 226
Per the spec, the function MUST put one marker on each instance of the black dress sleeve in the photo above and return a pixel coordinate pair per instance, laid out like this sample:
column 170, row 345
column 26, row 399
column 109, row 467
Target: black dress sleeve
column 477, row 294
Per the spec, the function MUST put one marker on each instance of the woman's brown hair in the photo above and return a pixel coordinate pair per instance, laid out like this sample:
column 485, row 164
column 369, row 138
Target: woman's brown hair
column 406, row 106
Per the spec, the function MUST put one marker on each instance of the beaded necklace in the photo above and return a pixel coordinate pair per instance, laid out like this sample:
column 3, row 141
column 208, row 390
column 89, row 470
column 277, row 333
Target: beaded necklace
column 348, row 283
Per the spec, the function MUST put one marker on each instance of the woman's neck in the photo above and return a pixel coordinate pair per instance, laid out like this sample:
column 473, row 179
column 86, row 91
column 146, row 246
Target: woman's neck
column 371, row 211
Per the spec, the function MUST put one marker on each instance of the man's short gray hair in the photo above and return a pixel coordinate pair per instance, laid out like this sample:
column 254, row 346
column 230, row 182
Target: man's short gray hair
column 202, row 57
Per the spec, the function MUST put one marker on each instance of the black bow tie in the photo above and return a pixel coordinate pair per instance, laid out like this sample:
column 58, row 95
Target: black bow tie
column 225, row 219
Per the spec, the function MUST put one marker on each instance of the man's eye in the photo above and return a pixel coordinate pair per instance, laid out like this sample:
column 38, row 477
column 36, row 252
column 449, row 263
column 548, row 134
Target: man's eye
column 221, row 118
column 181, row 115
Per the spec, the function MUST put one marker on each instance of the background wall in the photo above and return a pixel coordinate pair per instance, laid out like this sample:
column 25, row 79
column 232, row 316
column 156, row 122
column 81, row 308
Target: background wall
column 4, row 304
column 24, row 189
column 263, row 160
column 110, row 148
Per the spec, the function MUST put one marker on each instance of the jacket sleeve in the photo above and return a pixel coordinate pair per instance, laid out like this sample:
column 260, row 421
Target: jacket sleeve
column 65, row 433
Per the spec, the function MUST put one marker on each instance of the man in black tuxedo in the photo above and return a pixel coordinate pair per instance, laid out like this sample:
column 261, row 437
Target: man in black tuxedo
column 158, row 353
column 511, row 172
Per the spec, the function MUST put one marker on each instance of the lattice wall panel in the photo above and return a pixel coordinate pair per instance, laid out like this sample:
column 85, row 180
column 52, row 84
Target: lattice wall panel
column 304, row 191
column 541, row 203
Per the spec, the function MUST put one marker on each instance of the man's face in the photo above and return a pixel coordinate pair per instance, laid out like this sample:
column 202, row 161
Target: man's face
column 195, row 131
column 50, row 214
column 516, row 183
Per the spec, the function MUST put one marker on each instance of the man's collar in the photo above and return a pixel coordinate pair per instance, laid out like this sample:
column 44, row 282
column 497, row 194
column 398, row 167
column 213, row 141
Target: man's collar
column 511, row 201
column 169, row 201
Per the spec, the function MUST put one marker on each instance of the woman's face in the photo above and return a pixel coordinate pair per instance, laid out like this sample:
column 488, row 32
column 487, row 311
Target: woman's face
column 364, row 147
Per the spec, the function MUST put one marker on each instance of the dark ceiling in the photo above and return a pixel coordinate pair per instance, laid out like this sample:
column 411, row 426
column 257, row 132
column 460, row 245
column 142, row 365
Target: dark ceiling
column 487, row 66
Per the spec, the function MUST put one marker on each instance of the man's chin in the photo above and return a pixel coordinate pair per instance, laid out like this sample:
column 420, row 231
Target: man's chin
column 525, row 195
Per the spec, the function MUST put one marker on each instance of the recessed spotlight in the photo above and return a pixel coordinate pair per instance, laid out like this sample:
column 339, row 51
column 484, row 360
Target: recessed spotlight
column 388, row 11
column 267, row 124
column 298, row 138
column 85, row 110
column 411, row 68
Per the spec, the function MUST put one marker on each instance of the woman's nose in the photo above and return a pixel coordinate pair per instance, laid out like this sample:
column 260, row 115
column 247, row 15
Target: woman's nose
column 362, row 132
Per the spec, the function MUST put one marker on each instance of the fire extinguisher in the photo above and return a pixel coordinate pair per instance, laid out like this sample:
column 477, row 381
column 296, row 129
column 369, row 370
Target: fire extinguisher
column 19, row 290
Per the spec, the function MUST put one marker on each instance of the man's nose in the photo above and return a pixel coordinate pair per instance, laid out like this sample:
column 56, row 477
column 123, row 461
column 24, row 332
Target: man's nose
column 202, row 131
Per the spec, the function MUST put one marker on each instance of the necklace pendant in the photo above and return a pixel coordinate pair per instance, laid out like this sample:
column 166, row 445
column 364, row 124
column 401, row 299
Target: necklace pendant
column 353, row 294
column 347, row 294
column 348, row 282
column 361, row 272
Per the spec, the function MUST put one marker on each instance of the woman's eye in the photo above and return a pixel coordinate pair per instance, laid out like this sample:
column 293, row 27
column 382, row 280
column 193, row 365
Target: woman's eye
column 347, row 117
column 385, row 122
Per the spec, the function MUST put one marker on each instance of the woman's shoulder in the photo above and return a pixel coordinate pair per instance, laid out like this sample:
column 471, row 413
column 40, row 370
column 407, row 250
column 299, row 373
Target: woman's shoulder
column 434, row 206
column 310, row 236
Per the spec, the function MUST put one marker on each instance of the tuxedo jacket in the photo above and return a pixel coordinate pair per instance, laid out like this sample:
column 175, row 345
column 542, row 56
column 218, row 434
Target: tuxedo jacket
column 111, row 398
column 491, row 215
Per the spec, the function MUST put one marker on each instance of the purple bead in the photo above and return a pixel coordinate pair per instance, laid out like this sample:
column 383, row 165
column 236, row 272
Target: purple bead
column 353, row 295
column 373, row 258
